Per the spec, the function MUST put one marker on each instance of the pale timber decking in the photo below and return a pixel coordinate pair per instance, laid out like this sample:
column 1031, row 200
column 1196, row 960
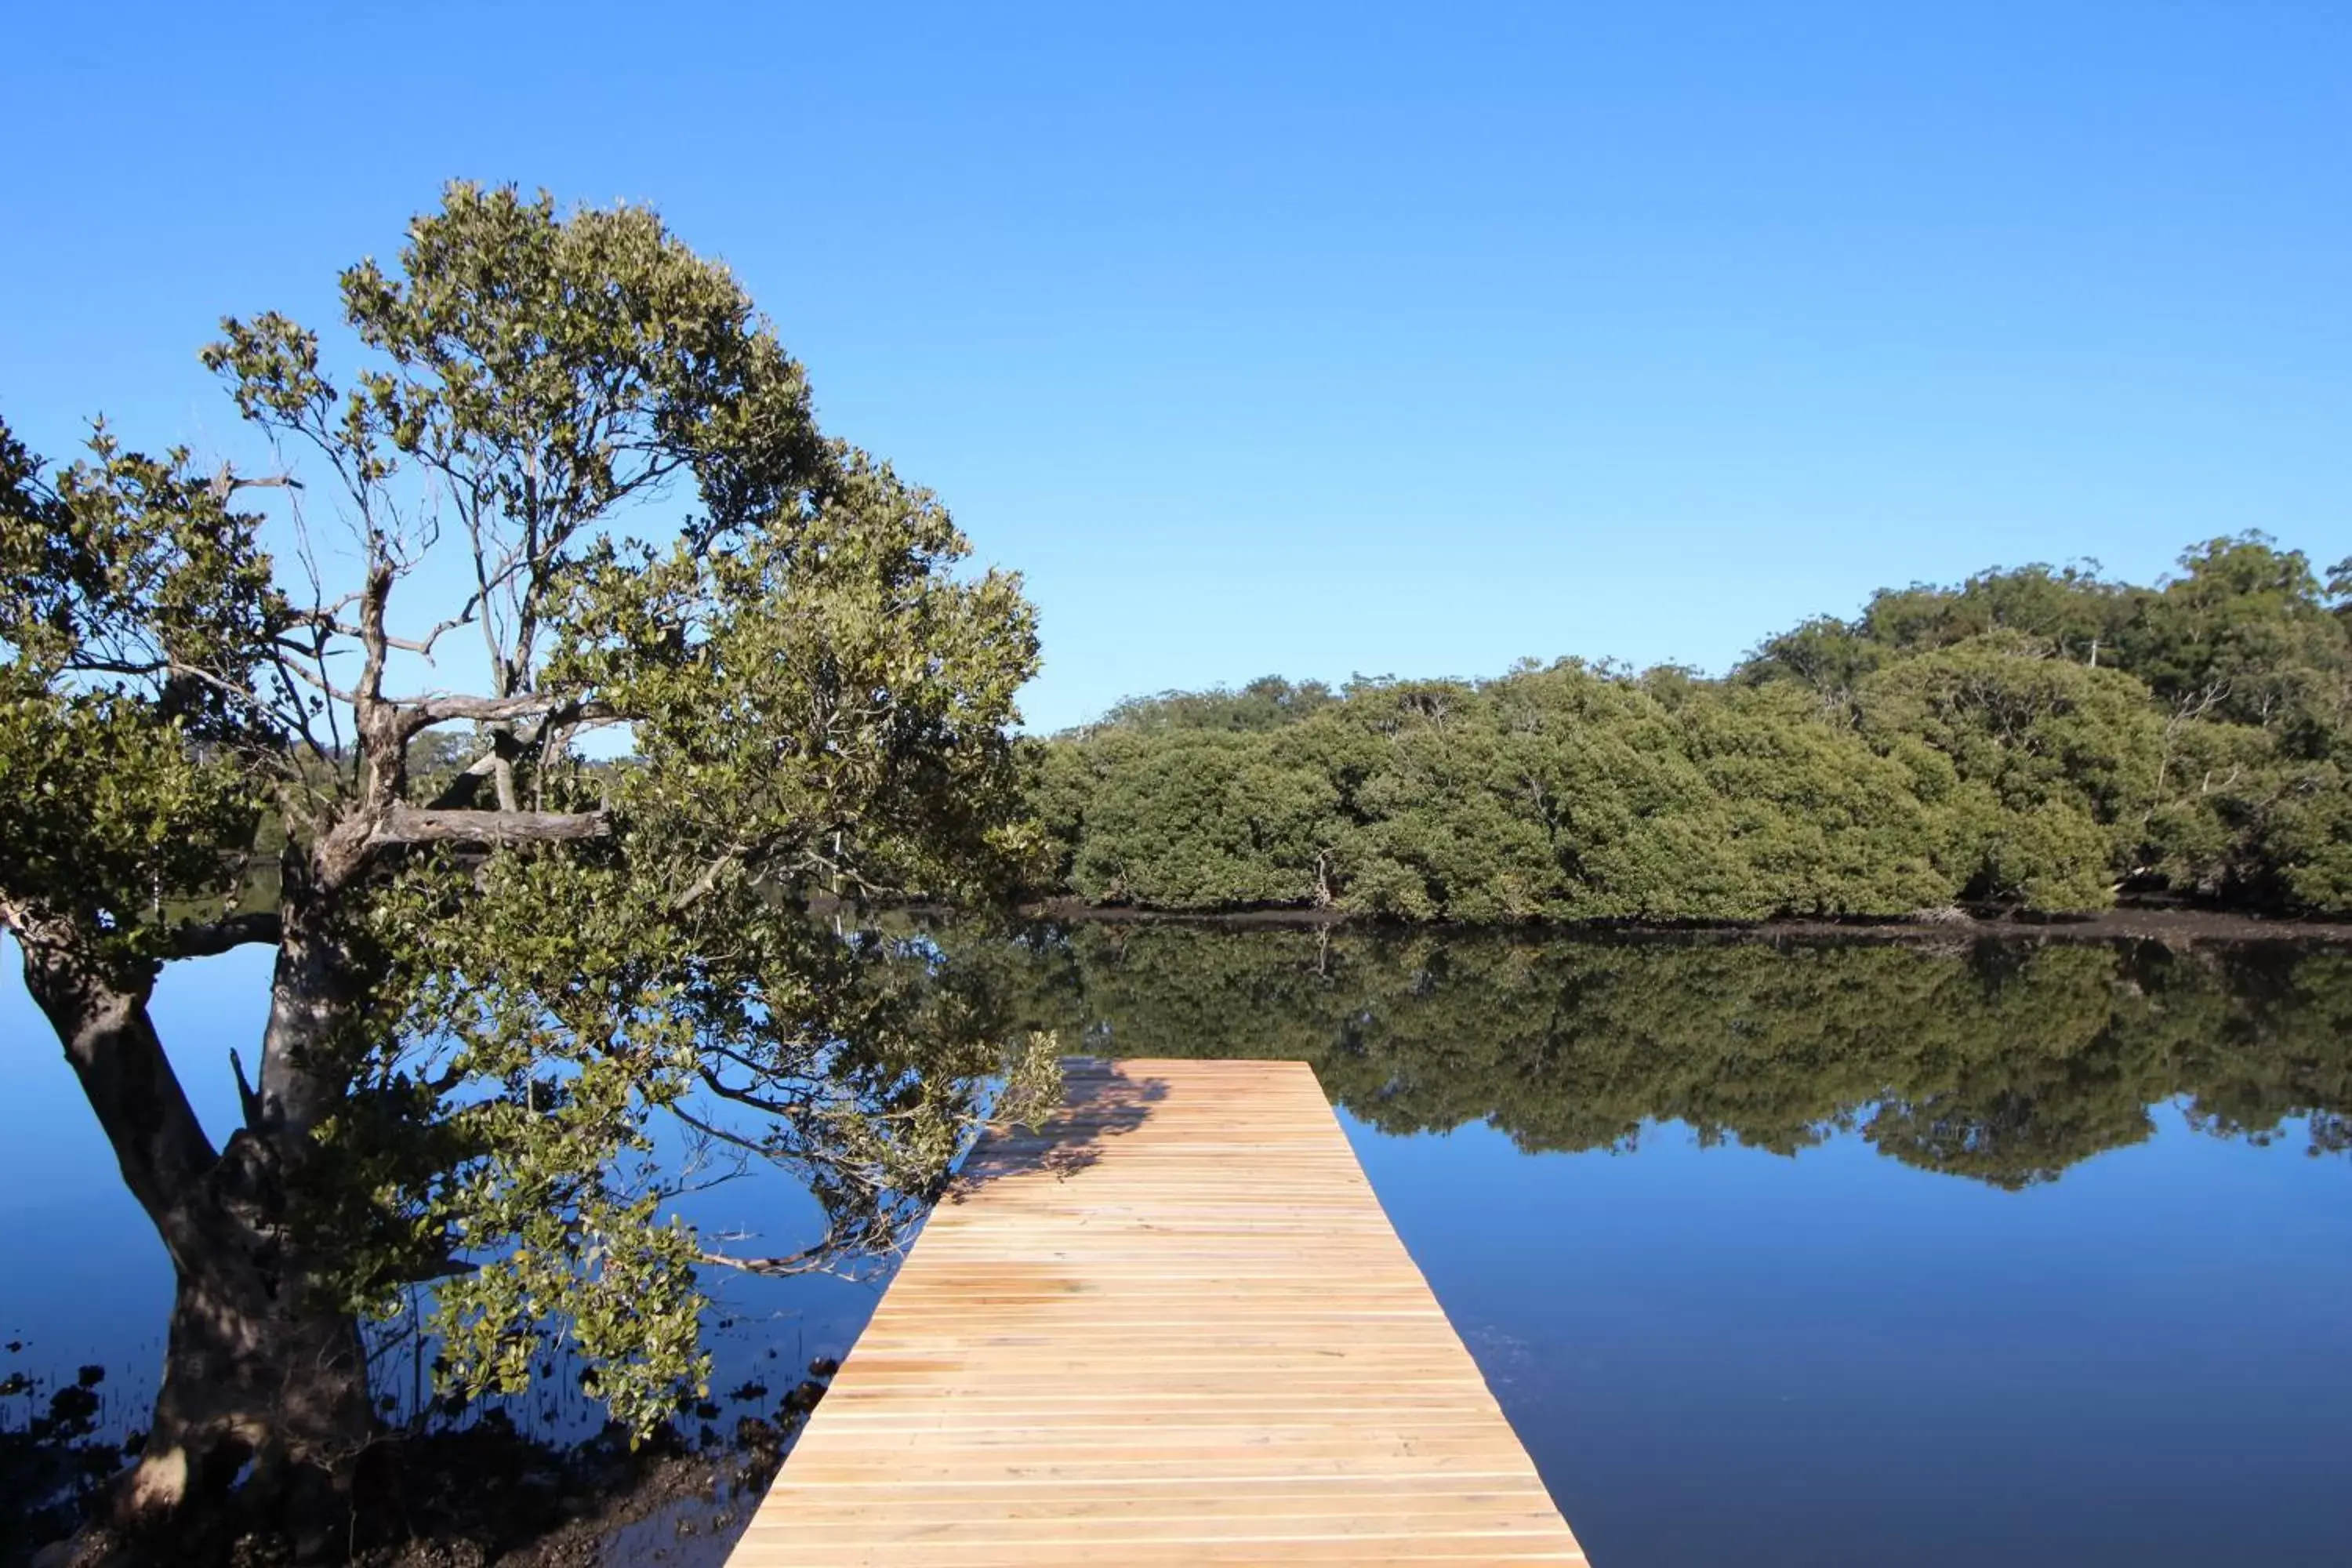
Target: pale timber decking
column 1173, row 1326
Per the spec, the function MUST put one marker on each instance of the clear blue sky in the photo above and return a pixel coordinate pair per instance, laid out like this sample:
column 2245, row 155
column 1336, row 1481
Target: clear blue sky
column 1320, row 339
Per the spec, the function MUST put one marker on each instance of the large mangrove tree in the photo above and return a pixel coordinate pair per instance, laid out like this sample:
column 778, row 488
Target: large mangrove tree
column 557, row 655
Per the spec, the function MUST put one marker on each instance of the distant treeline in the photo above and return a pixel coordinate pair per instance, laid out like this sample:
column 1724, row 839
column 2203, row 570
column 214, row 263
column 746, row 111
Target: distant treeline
column 2041, row 737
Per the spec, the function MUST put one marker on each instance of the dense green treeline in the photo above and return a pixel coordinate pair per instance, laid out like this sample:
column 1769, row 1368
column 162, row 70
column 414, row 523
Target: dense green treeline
column 2039, row 737
column 1997, row 1062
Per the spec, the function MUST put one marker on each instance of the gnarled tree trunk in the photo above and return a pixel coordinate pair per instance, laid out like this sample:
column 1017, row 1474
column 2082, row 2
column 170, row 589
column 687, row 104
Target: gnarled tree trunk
column 263, row 1379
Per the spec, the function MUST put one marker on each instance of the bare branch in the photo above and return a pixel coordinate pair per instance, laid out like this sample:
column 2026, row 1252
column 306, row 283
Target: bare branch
column 720, row 1087
column 442, row 708
column 149, row 669
column 460, row 793
column 326, row 621
column 711, row 1132
column 219, row 936
column 405, row 825
column 318, row 682
column 702, row 885
column 817, row 1260
column 228, row 481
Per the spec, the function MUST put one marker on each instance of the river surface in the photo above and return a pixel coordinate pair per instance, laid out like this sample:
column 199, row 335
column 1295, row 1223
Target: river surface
column 1775, row 1253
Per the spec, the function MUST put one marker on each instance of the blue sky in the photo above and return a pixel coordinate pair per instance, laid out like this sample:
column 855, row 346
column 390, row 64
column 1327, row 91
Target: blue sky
column 1325, row 339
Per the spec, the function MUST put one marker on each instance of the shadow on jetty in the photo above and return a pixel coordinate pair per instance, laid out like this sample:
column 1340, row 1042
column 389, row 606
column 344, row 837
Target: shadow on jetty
column 1099, row 1101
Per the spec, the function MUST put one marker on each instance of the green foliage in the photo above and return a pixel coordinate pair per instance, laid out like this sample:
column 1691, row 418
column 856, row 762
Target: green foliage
column 2036, row 738
column 1201, row 818
column 2072, row 612
column 501, row 963
column 1829, row 824
column 2308, row 837
column 1269, row 702
column 125, row 802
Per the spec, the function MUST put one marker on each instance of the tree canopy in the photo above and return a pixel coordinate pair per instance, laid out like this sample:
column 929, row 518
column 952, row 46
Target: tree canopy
column 2038, row 738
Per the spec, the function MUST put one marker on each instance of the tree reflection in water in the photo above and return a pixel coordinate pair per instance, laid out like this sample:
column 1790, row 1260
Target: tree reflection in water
column 2002, row 1062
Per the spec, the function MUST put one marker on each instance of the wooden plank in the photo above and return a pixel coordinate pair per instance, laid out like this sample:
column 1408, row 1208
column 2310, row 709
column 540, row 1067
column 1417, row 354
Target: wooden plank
column 1172, row 1326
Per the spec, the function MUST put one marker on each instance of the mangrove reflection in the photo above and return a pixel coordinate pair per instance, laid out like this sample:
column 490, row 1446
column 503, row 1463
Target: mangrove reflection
column 2005, row 1063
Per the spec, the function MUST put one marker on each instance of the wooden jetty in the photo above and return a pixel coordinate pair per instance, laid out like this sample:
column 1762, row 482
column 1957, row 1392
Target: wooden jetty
column 1170, row 1326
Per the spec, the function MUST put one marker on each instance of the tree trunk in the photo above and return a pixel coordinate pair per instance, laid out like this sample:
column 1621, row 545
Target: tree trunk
column 263, row 1378
column 253, row 1376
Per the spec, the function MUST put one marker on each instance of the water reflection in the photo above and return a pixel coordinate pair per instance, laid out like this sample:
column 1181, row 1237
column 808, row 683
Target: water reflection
column 1713, row 1353
column 1998, row 1062
column 2052, row 1257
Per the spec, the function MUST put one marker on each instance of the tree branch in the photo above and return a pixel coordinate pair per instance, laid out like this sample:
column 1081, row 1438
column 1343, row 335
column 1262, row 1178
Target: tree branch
column 817, row 1260
column 219, row 936
column 130, row 1084
column 327, row 622
column 702, row 885
column 458, row 794
column 423, row 711
column 406, row 825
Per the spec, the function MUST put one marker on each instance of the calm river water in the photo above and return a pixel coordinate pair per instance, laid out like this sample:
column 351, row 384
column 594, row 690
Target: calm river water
column 1776, row 1253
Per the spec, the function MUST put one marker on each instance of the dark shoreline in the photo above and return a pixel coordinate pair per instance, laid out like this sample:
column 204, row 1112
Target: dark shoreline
column 2171, row 924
